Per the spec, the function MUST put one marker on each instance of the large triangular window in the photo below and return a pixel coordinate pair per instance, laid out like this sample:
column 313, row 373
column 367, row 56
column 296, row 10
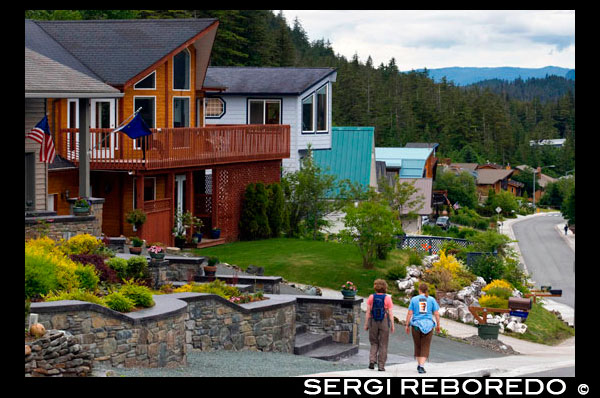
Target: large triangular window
column 147, row 83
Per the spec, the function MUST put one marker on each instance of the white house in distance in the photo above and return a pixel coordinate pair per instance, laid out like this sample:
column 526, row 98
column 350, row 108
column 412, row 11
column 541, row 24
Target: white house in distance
column 300, row 97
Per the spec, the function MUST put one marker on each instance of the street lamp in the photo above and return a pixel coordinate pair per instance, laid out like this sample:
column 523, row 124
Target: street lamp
column 534, row 172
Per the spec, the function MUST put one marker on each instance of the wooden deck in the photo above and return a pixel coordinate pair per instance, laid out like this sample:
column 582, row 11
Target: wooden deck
column 179, row 147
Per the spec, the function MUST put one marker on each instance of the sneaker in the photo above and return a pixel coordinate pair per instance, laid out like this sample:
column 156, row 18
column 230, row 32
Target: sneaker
column 421, row 369
column 382, row 369
column 372, row 365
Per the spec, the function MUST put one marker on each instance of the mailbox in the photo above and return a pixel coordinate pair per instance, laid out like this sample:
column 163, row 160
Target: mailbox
column 517, row 303
column 546, row 288
column 557, row 292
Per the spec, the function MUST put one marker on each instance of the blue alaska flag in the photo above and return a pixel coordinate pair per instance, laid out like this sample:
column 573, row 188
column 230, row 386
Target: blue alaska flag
column 135, row 128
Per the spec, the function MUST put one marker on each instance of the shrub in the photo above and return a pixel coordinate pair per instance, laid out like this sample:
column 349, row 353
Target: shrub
column 118, row 302
column 396, row 272
column 493, row 302
column 136, row 217
column 183, row 289
column 275, row 209
column 515, row 275
column 105, row 273
column 137, row 267
column 499, row 292
column 119, row 265
column 140, row 295
column 76, row 294
column 217, row 287
column 88, row 277
column 40, row 274
column 498, row 283
column 415, row 258
column 489, row 267
column 82, row 244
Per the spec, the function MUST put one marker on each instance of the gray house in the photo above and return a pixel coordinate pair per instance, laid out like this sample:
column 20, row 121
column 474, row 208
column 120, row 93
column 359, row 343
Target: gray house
column 300, row 97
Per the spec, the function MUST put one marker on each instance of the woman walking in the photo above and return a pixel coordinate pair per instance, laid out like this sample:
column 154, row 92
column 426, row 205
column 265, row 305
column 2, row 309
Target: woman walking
column 421, row 310
column 379, row 321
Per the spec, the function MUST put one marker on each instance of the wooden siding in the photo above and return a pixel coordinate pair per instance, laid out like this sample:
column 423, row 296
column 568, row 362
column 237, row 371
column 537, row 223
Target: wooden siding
column 59, row 181
column 34, row 112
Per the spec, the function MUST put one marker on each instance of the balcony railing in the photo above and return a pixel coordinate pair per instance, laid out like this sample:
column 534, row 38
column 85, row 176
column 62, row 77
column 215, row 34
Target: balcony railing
column 179, row 147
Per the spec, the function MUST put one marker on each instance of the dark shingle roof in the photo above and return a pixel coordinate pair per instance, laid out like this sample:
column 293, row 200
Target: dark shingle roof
column 421, row 145
column 117, row 50
column 61, row 163
column 49, row 68
column 267, row 80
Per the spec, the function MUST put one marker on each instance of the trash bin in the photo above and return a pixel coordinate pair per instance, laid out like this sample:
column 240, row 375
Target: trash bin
column 488, row 332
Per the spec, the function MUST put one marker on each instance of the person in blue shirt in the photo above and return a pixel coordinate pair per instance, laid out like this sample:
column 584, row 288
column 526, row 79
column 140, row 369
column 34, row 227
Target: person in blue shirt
column 421, row 311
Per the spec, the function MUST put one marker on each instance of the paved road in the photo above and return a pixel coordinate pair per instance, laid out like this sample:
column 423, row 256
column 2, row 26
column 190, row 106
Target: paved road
column 561, row 372
column 549, row 259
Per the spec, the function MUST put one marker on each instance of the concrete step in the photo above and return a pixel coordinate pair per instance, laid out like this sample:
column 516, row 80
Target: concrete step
column 306, row 342
column 333, row 351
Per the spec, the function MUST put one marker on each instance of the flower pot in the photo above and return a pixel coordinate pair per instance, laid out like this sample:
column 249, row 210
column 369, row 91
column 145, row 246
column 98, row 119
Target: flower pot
column 215, row 234
column 135, row 250
column 157, row 256
column 179, row 242
column 198, row 236
column 349, row 294
column 81, row 211
column 488, row 332
column 210, row 270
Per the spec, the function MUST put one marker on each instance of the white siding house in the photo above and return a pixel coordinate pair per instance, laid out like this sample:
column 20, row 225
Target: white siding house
column 278, row 89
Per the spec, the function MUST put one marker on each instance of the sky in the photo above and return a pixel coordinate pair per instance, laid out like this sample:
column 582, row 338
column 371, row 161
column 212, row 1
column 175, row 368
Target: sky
column 437, row 39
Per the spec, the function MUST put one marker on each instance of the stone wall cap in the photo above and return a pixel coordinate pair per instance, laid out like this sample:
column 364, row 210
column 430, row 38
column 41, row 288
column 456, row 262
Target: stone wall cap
column 90, row 199
column 59, row 219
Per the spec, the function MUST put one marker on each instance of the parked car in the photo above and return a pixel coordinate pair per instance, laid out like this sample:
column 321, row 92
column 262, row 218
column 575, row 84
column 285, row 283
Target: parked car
column 425, row 220
column 443, row 222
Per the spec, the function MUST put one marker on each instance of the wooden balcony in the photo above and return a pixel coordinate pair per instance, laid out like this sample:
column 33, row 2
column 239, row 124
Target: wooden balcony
column 178, row 147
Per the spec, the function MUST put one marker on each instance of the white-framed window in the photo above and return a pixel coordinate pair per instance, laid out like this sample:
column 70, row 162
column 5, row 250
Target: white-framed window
column 182, row 70
column 146, row 83
column 148, row 114
column 315, row 112
column 214, row 107
column 181, row 111
column 264, row 111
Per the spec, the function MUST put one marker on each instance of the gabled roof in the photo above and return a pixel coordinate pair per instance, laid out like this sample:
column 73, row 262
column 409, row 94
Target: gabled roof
column 465, row 166
column 491, row 176
column 421, row 145
column 265, row 80
column 118, row 50
column 350, row 156
column 411, row 161
column 51, row 71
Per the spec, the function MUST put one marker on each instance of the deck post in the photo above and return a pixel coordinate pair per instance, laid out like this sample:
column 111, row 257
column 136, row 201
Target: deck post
column 139, row 198
column 84, row 146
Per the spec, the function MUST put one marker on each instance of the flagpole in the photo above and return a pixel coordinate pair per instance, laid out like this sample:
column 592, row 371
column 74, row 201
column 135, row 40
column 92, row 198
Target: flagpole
column 127, row 119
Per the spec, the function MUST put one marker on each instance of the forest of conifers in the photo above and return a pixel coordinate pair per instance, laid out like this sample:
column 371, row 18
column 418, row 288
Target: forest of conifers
column 489, row 121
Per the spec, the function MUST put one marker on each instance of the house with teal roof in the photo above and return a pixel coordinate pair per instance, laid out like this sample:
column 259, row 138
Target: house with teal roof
column 408, row 162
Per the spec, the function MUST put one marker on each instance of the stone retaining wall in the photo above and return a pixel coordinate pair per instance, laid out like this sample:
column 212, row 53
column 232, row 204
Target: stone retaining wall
column 57, row 353
column 339, row 318
column 214, row 323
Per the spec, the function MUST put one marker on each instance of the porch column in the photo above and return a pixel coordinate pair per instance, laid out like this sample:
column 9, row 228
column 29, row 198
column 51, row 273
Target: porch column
column 189, row 192
column 170, row 193
column 139, row 197
column 84, row 146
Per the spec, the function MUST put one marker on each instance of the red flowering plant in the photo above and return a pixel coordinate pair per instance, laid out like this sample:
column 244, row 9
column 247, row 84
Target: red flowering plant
column 349, row 286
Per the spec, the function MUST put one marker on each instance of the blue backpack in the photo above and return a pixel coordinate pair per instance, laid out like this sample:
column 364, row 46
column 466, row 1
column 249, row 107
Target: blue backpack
column 378, row 309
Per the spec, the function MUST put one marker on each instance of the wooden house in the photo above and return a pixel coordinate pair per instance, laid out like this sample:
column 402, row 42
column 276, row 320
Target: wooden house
column 299, row 97
column 160, row 67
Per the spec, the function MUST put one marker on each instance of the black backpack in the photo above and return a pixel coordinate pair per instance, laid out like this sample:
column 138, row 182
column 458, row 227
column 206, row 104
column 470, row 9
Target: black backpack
column 378, row 309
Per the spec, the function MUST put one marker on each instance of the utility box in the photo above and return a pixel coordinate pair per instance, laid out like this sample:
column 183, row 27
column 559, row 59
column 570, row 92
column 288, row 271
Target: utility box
column 517, row 303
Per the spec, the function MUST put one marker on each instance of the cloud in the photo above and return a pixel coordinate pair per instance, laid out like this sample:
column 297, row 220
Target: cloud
column 447, row 38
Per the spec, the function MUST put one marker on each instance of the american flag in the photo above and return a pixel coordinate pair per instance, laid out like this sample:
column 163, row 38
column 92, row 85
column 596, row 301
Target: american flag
column 456, row 206
column 41, row 134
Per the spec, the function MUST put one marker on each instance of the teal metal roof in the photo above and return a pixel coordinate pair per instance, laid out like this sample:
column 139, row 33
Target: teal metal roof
column 411, row 161
column 350, row 154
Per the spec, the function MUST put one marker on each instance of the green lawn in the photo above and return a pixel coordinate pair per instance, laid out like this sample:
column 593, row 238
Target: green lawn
column 318, row 263
column 544, row 327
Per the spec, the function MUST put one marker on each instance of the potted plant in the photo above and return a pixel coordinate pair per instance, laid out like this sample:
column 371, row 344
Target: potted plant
column 349, row 290
column 210, row 269
column 156, row 252
column 136, row 217
column 81, row 207
column 197, row 224
column 215, row 233
column 179, row 230
column 136, row 245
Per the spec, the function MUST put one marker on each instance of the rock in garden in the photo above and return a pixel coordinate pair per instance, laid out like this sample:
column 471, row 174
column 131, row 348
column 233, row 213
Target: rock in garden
column 517, row 293
column 452, row 313
column 413, row 272
column 405, row 284
column 442, row 311
column 479, row 283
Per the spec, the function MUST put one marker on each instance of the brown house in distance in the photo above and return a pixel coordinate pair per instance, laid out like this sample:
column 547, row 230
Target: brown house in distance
column 158, row 66
column 496, row 179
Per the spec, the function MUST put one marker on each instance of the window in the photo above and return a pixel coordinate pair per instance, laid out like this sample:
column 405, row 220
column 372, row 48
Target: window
column 181, row 70
column 29, row 180
column 181, row 112
column 264, row 112
column 314, row 111
column 149, row 188
column 147, row 83
column 307, row 114
column 215, row 107
column 72, row 123
column 147, row 113
column 322, row 109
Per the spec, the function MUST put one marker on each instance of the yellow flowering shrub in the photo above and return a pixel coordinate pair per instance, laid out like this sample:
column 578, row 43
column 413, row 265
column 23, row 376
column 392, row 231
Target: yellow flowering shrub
column 43, row 264
column 498, row 283
column 492, row 301
column 448, row 262
column 183, row 289
column 81, row 244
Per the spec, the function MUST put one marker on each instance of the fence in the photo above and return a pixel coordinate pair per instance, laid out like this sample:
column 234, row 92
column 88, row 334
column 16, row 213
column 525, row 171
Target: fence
column 430, row 244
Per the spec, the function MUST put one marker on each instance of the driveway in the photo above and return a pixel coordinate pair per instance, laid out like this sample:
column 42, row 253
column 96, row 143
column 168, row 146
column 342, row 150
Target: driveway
column 549, row 259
